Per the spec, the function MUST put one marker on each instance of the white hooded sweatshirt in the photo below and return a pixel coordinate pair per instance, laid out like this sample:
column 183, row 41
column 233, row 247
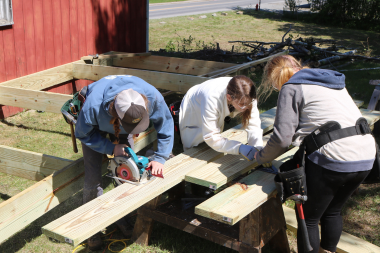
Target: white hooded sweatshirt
column 202, row 113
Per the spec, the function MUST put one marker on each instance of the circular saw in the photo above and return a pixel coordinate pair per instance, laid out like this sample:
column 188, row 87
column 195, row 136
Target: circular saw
column 131, row 169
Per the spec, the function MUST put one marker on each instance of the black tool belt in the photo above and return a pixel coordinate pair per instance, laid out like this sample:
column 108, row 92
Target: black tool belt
column 332, row 131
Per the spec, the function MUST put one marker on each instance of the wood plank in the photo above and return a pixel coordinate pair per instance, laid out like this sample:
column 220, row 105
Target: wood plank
column 113, row 55
column 230, row 205
column 29, row 165
column 347, row 243
column 90, row 218
column 374, row 98
column 43, row 79
column 170, row 64
column 167, row 81
column 358, row 103
column 19, row 211
column 145, row 138
column 220, row 172
column 30, row 99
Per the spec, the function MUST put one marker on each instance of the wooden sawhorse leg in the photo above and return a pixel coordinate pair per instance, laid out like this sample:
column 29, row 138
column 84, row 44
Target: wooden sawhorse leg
column 144, row 225
column 264, row 226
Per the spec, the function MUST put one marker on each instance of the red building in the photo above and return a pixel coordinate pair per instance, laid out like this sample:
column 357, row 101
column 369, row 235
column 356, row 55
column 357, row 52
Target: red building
column 40, row 34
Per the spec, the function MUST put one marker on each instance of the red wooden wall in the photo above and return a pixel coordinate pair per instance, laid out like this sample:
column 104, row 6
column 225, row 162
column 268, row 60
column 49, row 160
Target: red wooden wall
column 49, row 33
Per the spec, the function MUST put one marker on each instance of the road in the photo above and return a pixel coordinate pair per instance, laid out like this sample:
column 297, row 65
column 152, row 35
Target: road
column 174, row 9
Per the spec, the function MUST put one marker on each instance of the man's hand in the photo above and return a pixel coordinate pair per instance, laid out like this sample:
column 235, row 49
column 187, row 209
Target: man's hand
column 119, row 150
column 157, row 168
column 247, row 151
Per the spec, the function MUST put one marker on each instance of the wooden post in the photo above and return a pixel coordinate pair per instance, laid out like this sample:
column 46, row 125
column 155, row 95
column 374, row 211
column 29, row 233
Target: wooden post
column 249, row 232
column 144, row 225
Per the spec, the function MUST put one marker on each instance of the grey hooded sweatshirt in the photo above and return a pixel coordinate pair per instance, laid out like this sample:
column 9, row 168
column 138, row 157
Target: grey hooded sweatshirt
column 309, row 99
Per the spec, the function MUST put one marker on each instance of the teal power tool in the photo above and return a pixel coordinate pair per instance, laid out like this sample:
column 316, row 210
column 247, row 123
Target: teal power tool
column 131, row 169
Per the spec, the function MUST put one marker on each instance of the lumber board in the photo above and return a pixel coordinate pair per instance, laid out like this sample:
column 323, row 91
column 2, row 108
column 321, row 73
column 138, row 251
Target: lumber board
column 32, row 99
column 230, row 205
column 43, row 79
column 358, row 102
column 90, row 218
column 115, row 55
column 22, row 209
column 168, row 81
column 144, row 139
column 347, row 243
column 29, row 165
column 221, row 171
column 374, row 98
column 171, row 64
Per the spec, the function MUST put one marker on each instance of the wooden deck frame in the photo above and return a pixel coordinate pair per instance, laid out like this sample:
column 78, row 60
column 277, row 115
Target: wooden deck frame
column 19, row 211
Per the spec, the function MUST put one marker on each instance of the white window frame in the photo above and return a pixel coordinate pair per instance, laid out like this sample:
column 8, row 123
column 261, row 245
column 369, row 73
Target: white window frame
column 6, row 13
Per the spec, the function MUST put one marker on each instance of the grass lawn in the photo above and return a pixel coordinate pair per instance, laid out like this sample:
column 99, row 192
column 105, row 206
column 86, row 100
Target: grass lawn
column 163, row 1
column 47, row 133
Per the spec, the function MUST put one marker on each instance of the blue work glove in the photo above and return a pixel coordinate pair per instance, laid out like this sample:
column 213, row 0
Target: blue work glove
column 247, row 151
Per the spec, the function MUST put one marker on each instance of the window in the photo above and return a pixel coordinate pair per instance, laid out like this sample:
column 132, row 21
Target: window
column 6, row 14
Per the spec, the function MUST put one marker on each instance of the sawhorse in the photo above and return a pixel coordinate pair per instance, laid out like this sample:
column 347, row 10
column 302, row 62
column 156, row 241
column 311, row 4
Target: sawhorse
column 265, row 225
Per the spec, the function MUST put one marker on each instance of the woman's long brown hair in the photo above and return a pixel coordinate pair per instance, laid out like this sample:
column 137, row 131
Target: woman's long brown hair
column 241, row 86
column 115, row 118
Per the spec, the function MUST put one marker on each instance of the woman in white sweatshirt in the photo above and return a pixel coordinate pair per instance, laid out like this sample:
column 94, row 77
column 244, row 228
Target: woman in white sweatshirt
column 205, row 106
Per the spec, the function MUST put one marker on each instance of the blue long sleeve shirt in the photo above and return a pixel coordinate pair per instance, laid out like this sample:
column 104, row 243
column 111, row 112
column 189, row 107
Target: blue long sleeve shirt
column 94, row 117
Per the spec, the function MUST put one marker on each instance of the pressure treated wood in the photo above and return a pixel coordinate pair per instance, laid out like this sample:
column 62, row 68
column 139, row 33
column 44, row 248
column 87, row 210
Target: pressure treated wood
column 347, row 243
column 29, row 165
column 32, row 99
column 90, row 218
column 230, row 205
column 167, row 81
column 43, row 79
column 171, row 64
column 221, row 171
column 22, row 209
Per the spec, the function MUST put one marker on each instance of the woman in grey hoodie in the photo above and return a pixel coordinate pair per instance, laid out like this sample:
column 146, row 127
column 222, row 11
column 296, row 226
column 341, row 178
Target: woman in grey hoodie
column 309, row 98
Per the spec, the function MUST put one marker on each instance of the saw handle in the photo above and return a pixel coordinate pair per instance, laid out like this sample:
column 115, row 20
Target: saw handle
column 156, row 175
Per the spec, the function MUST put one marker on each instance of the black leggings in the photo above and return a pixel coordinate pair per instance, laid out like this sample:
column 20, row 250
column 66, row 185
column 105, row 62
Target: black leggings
column 327, row 192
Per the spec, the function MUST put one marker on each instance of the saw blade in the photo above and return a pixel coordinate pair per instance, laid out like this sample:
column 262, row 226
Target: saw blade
column 125, row 169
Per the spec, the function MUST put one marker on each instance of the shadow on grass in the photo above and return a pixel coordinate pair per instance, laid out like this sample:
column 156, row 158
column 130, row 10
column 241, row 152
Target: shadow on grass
column 6, row 122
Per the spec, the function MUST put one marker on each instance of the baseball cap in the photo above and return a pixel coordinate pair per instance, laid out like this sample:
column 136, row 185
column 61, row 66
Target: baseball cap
column 131, row 109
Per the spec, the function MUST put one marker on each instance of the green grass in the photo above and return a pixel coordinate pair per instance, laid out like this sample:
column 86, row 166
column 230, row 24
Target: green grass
column 47, row 133
column 163, row 1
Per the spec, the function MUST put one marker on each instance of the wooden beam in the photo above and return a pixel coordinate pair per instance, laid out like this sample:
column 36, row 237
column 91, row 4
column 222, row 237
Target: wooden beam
column 31, row 99
column 43, row 79
column 167, row 81
column 171, row 64
column 144, row 139
column 90, row 218
column 22, row 209
column 221, row 171
column 230, row 205
column 29, row 165
column 112, row 55
column 347, row 243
